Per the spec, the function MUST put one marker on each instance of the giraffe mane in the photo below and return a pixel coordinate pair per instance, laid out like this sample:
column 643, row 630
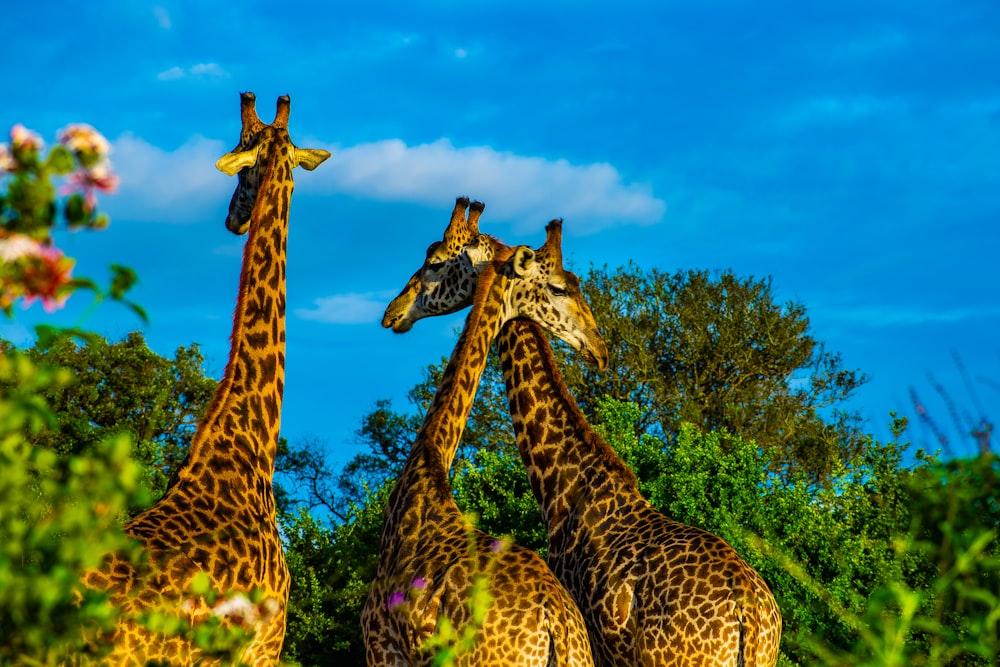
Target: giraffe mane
column 224, row 390
column 574, row 415
column 503, row 253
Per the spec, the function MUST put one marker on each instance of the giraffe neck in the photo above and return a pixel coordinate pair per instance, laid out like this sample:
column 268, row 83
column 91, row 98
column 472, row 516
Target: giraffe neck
column 567, row 461
column 423, row 487
column 243, row 419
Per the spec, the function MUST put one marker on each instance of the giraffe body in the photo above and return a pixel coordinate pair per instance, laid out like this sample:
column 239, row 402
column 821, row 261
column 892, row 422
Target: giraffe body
column 218, row 515
column 652, row 591
column 430, row 555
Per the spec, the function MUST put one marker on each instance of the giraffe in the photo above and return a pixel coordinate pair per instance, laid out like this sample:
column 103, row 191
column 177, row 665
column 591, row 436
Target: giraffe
column 430, row 555
column 652, row 591
column 217, row 515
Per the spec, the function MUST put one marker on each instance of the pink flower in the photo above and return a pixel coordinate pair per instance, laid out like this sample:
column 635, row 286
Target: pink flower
column 395, row 600
column 21, row 138
column 83, row 139
column 88, row 181
column 498, row 545
column 46, row 277
column 419, row 583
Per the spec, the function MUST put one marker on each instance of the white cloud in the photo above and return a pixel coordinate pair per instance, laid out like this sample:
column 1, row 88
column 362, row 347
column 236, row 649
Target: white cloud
column 208, row 70
column 526, row 190
column 182, row 185
column 171, row 74
column 351, row 308
column 199, row 71
column 162, row 17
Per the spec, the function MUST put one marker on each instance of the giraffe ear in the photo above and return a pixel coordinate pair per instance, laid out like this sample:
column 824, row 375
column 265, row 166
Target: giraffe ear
column 231, row 163
column 523, row 260
column 310, row 158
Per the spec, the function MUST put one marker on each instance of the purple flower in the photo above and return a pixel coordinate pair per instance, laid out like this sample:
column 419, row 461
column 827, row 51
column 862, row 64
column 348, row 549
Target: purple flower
column 419, row 583
column 395, row 600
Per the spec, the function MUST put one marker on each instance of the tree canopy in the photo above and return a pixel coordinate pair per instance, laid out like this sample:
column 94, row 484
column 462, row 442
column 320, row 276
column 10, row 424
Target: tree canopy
column 714, row 350
column 124, row 387
column 719, row 351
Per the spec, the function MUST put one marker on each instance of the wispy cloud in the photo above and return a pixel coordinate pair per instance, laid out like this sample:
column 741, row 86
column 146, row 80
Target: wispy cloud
column 198, row 71
column 351, row 308
column 521, row 189
column 162, row 17
column 167, row 186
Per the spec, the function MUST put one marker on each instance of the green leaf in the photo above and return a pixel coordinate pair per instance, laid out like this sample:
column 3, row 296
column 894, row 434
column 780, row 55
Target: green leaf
column 60, row 160
column 123, row 279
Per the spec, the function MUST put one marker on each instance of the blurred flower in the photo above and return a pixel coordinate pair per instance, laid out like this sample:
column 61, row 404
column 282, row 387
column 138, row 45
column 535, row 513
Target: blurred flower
column 7, row 161
column 88, row 181
column 396, row 599
column 21, row 138
column 419, row 583
column 16, row 246
column 83, row 139
column 498, row 545
column 239, row 610
column 46, row 278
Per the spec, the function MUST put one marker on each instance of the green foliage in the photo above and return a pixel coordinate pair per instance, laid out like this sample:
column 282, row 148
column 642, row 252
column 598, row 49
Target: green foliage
column 718, row 351
column 59, row 515
column 883, row 566
column 494, row 487
column 331, row 568
column 124, row 387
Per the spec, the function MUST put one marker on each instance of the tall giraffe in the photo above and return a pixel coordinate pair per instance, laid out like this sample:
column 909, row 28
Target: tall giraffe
column 217, row 515
column 652, row 591
column 430, row 556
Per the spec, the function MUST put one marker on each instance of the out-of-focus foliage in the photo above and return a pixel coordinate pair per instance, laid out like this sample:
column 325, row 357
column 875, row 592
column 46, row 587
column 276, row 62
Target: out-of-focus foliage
column 59, row 514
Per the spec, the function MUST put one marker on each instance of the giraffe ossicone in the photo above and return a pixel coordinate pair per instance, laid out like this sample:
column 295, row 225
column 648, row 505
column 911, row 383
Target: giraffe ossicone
column 651, row 590
column 217, row 517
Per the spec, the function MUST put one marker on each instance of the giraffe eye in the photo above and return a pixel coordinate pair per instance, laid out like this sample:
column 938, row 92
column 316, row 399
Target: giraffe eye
column 556, row 290
column 435, row 266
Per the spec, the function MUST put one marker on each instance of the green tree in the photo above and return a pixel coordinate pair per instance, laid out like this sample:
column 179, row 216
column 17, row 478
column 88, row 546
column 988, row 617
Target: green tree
column 718, row 351
column 124, row 387
column 331, row 565
column 714, row 350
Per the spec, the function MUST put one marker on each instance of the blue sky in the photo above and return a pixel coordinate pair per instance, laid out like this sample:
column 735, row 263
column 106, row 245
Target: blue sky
column 850, row 150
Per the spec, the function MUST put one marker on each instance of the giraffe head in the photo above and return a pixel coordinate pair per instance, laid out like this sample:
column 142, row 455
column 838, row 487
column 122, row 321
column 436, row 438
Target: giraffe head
column 540, row 289
column 446, row 281
column 261, row 146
